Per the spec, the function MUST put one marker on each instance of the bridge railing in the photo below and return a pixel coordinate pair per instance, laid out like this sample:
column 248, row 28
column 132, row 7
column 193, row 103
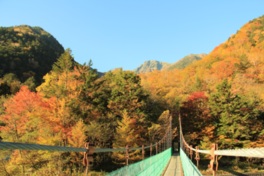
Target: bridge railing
column 187, row 152
column 187, row 165
column 162, row 149
column 153, row 165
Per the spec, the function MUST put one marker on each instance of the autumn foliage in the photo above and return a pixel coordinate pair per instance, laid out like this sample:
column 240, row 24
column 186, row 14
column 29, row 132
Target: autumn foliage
column 219, row 98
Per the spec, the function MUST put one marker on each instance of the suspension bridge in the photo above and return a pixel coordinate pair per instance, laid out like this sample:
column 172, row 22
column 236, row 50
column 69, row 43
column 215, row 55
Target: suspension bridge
column 161, row 156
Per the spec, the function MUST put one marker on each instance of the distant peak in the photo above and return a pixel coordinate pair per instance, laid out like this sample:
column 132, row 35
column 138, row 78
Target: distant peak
column 151, row 65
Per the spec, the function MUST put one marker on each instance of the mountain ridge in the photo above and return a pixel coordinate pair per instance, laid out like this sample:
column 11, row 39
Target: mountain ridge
column 239, row 59
column 151, row 65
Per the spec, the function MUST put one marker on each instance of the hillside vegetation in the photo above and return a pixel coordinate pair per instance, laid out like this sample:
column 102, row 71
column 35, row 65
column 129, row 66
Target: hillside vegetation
column 237, row 64
column 220, row 97
column 27, row 53
column 240, row 59
column 186, row 61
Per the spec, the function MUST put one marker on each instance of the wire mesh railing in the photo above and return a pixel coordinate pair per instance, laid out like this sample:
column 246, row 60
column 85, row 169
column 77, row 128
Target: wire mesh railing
column 187, row 165
column 162, row 149
column 187, row 149
column 153, row 166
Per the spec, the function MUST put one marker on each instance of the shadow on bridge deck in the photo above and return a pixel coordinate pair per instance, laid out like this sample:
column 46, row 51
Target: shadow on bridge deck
column 174, row 167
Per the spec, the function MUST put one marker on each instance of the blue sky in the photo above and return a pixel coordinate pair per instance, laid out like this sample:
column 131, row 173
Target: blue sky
column 125, row 33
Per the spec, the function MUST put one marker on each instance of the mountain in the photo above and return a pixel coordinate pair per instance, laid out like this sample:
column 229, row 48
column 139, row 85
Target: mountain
column 222, row 91
column 239, row 59
column 151, row 65
column 27, row 52
column 187, row 60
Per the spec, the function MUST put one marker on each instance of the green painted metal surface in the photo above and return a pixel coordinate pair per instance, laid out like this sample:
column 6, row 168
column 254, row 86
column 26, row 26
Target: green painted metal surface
column 152, row 166
column 187, row 165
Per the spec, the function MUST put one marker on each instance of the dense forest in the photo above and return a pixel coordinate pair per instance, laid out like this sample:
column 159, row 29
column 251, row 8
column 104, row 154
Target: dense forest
column 73, row 104
column 220, row 99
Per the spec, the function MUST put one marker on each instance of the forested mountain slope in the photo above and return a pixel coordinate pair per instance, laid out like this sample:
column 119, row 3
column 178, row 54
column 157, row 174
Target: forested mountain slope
column 186, row 61
column 27, row 52
column 221, row 96
column 240, row 59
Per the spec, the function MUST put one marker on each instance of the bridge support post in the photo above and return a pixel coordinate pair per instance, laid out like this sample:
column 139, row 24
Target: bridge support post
column 197, row 156
column 127, row 154
column 150, row 149
column 163, row 144
column 143, row 152
column 88, row 156
column 156, row 148
column 191, row 152
column 213, row 163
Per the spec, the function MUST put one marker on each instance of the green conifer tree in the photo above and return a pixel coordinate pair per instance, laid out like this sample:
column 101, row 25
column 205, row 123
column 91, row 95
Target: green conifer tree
column 234, row 117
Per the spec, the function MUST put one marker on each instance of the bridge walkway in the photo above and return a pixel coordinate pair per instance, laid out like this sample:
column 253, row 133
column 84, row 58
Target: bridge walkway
column 174, row 168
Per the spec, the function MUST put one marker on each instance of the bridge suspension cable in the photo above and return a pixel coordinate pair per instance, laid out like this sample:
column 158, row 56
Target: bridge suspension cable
column 214, row 153
column 28, row 146
column 164, row 144
column 244, row 152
